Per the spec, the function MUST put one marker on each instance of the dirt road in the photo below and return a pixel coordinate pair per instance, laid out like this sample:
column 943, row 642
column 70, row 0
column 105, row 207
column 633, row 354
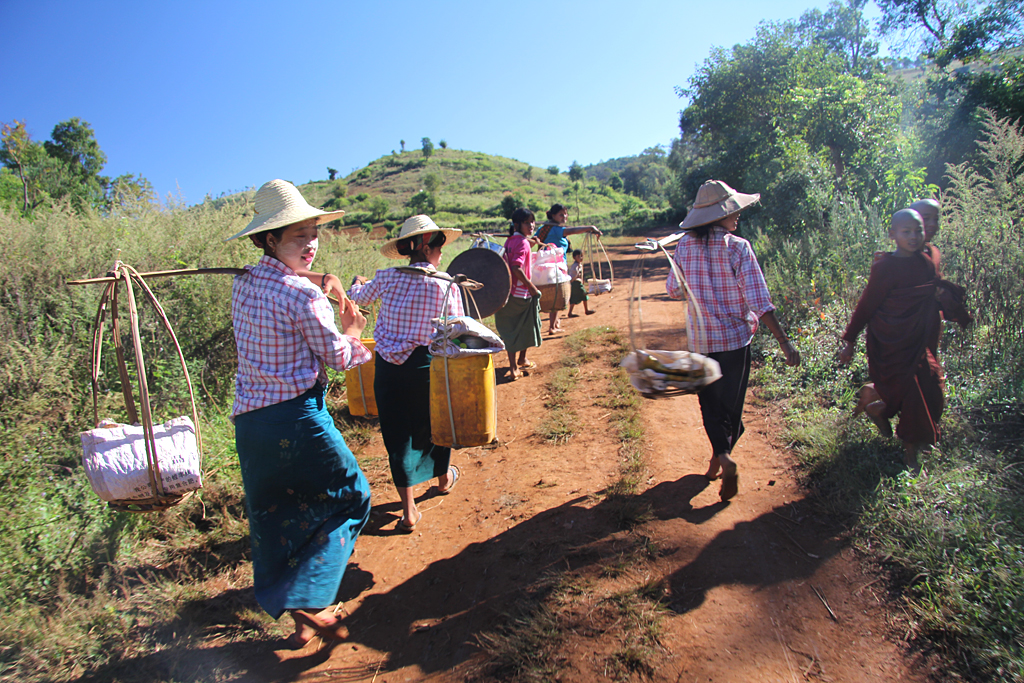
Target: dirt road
column 744, row 584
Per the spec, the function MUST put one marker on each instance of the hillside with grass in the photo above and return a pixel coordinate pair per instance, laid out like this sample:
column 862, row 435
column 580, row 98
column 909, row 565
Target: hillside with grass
column 472, row 191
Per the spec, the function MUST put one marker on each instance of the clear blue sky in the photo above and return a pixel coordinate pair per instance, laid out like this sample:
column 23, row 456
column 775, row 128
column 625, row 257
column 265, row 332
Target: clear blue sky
column 216, row 96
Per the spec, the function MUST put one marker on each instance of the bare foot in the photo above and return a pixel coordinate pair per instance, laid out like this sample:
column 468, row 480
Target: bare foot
column 874, row 411
column 713, row 469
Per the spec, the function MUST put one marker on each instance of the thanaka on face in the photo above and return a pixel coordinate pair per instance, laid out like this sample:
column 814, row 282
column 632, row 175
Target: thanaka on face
column 929, row 210
column 297, row 246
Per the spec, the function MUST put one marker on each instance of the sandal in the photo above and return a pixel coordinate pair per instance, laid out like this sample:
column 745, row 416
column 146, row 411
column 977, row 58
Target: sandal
column 455, row 473
column 404, row 526
column 528, row 365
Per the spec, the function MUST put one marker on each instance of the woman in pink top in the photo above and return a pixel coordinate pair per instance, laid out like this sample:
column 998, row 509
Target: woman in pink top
column 518, row 322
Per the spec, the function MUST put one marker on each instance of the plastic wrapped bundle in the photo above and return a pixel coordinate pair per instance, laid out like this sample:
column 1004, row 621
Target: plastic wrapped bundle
column 462, row 337
column 654, row 372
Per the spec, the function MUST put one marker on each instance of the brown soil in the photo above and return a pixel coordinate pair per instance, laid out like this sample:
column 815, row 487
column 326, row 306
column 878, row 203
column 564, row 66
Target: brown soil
column 741, row 580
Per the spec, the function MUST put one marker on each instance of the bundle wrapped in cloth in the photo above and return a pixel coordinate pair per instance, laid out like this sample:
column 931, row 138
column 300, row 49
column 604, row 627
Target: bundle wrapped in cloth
column 462, row 337
column 656, row 372
column 115, row 461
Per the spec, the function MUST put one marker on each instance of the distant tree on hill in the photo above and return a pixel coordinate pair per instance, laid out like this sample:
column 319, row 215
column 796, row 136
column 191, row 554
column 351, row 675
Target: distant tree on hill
column 528, row 174
column 423, row 202
column 615, row 182
column 65, row 167
column 431, row 182
column 332, row 173
column 428, row 147
column 553, row 170
column 403, row 144
column 444, row 144
column 575, row 172
column 378, row 208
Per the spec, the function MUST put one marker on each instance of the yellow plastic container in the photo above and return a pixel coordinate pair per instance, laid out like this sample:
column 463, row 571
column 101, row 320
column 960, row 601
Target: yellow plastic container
column 359, row 386
column 467, row 384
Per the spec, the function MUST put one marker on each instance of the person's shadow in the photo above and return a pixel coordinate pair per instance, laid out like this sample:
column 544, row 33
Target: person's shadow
column 435, row 620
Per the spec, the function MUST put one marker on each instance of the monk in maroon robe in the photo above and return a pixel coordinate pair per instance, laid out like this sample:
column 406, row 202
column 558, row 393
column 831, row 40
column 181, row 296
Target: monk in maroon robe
column 901, row 309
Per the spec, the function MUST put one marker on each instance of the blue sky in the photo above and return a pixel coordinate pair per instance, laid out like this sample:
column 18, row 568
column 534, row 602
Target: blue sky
column 215, row 96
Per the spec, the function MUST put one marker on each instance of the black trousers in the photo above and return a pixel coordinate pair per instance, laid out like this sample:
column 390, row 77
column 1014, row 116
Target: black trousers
column 721, row 402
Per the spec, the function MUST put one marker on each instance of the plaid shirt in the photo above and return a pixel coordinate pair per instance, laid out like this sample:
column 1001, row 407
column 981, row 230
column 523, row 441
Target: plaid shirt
column 285, row 332
column 728, row 286
column 409, row 301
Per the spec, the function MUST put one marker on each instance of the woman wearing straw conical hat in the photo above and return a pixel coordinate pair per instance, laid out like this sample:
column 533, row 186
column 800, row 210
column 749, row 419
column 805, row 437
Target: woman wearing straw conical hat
column 305, row 496
column 410, row 298
column 731, row 296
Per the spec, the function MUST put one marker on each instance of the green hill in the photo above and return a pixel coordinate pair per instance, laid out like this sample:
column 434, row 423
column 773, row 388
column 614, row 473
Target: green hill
column 470, row 190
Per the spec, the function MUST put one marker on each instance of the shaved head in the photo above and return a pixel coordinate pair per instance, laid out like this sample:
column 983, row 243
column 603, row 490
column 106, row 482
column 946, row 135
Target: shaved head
column 905, row 217
column 929, row 210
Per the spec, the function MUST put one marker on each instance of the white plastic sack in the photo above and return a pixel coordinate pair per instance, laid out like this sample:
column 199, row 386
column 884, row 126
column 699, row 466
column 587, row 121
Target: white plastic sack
column 114, row 457
column 655, row 372
column 599, row 286
column 462, row 337
column 547, row 266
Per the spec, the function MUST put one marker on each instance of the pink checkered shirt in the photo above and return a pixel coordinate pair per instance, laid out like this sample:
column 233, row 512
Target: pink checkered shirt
column 409, row 301
column 728, row 286
column 284, row 330
column 517, row 253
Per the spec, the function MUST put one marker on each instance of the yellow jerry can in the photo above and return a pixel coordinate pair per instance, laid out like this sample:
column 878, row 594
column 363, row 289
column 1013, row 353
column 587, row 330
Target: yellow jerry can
column 462, row 401
column 359, row 385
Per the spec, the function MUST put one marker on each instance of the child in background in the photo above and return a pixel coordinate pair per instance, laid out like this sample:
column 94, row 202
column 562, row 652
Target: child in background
column 900, row 309
column 578, row 293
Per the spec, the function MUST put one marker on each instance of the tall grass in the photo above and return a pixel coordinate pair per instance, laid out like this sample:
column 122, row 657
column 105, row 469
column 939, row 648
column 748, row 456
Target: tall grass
column 953, row 539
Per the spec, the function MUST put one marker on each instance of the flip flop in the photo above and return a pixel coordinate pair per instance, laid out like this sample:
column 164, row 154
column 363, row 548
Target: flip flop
column 528, row 365
column 730, row 486
column 405, row 527
column 456, row 473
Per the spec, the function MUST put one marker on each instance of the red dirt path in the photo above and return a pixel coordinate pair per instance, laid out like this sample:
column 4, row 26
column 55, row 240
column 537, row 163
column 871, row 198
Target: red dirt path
column 740, row 577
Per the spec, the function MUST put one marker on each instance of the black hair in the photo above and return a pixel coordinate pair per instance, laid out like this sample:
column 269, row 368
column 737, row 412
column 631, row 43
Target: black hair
column 577, row 252
column 410, row 245
column 519, row 216
column 260, row 238
column 556, row 208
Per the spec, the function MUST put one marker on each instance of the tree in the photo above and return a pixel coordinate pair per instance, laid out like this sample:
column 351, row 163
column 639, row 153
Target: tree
column 332, row 173
column 954, row 29
column 444, row 144
column 403, row 144
column 553, row 170
column 19, row 153
column 130, row 194
column 431, row 182
column 378, row 208
column 615, row 182
column 423, row 202
column 528, row 174
column 575, row 172
column 844, row 31
column 428, row 147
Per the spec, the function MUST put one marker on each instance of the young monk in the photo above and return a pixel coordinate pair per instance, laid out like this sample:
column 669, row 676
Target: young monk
column 900, row 308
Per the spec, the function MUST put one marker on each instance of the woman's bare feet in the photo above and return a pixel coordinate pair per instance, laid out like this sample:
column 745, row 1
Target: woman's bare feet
column 713, row 469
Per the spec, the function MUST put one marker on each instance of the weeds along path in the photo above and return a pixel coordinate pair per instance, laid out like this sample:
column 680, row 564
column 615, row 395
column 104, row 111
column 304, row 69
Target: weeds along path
column 588, row 546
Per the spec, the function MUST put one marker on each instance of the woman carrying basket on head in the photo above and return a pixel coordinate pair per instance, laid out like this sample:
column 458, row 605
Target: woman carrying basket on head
column 410, row 299
column 305, row 496
column 731, row 296
column 555, row 231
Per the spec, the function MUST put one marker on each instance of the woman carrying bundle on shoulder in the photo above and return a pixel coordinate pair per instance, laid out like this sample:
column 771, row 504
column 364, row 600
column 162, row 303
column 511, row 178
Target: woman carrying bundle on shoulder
column 555, row 231
column 728, row 287
column 305, row 496
column 410, row 298
column 518, row 322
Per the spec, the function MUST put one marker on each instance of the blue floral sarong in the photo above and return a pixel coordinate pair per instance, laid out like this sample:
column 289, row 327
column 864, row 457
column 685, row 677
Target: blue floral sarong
column 306, row 498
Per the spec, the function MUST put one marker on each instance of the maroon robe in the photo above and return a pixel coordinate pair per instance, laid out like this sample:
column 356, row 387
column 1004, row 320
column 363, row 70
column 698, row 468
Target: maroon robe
column 901, row 308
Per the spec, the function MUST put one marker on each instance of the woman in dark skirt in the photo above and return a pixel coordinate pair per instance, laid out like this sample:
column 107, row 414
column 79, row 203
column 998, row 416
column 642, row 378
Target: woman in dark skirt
column 305, row 496
column 410, row 299
column 518, row 322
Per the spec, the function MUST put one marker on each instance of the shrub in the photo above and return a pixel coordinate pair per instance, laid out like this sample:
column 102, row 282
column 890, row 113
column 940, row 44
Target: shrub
column 553, row 170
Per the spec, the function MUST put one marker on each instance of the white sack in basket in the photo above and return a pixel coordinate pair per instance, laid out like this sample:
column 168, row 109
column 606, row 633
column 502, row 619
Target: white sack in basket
column 599, row 286
column 478, row 339
column 671, row 370
column 114, row 457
